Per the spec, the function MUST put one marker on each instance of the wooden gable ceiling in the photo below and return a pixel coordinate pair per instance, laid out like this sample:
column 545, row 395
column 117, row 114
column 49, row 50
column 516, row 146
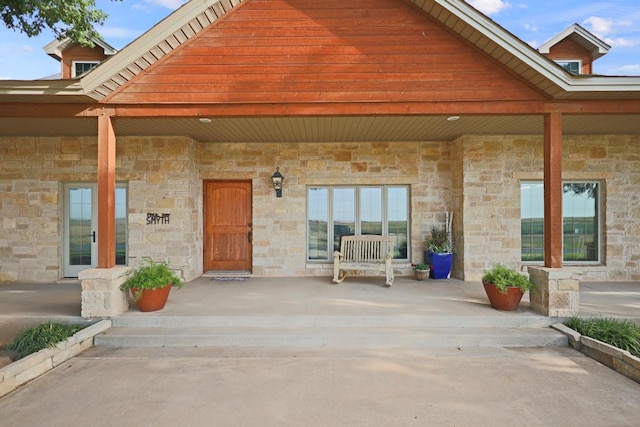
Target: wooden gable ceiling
column 314, row 51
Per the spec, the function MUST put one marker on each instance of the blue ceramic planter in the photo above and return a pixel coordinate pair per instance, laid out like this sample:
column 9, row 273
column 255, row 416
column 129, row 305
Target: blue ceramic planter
column 440, row 264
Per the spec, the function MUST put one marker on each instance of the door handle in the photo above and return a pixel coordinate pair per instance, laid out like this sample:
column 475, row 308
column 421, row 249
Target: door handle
column 93, row 236
column 249, row 236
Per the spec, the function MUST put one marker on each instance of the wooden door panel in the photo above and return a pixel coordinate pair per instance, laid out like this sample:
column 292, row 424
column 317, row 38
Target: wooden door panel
column 228, row 225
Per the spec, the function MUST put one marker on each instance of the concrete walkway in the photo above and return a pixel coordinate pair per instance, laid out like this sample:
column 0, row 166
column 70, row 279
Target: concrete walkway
column 204, row 387
column 279, row 387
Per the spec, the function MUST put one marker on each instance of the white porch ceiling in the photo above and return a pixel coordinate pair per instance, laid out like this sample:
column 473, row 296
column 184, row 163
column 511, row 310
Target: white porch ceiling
column 325, row 129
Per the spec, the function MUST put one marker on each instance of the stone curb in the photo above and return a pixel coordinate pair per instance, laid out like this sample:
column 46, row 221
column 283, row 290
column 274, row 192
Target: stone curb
column 619, row 360
column 21, row 371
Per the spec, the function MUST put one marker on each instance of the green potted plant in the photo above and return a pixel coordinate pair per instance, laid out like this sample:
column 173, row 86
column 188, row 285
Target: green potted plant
column 421, row 271
column 150, row 285
column 505, row 287
column 439, row 252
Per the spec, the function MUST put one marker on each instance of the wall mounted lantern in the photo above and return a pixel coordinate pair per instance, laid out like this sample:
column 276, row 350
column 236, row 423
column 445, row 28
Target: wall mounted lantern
column 277, row 179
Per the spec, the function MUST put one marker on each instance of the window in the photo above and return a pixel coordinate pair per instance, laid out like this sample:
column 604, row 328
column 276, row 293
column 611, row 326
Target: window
column 81, row 67
column 333, row 212
column 580, row 221
column 573, row 66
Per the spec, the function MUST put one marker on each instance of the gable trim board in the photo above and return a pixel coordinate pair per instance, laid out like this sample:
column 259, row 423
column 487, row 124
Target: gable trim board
column 159, row 41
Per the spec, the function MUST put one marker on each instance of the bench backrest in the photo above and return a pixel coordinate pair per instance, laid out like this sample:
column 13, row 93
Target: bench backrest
column 367, row 248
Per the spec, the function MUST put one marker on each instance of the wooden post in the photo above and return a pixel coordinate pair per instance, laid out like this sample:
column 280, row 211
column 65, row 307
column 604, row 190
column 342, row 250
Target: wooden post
column 106, row 192
column 553, row 190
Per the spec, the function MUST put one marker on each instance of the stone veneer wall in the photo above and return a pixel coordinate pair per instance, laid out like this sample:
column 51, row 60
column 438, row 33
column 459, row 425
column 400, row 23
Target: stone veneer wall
column 493, row 169
column 31, row 171
column 478, row 177
column 163, row 177
column 279, row 226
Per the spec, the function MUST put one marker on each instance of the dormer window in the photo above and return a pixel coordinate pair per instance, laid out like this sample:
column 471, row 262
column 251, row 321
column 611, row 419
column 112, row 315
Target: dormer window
column 76, row 60
column 578, row 44
column 81, row 67
column 573, row 66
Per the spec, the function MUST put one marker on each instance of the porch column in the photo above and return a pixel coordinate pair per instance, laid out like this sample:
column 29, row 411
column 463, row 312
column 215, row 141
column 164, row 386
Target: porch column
column 106, row 192
column 558, row 292
column 553, row 190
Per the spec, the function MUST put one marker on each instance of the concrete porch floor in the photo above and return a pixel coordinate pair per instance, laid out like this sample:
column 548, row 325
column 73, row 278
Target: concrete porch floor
column 22, row 303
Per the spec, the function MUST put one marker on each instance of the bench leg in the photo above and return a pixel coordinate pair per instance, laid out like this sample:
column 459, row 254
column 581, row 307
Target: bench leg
column 390, row 277
column 339, row 275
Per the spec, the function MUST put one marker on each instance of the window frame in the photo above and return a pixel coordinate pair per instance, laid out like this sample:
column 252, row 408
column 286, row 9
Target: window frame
column 599, row 221
column 74, row 63
column 357, row 215
column 562, row 62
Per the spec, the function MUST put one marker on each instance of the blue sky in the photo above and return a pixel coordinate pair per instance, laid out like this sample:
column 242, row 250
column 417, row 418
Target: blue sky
column 533, row 21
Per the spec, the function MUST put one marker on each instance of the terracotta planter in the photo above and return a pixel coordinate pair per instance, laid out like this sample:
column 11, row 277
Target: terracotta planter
column 152, row 299
column 422, row 274
column 508, row 301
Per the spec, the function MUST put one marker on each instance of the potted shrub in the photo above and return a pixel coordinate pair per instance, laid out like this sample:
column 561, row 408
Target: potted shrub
column 421, row 271
column 150, row 285
column 439, row 252
column 505, row 287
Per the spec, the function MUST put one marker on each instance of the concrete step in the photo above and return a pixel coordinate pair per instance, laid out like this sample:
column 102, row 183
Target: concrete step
column 147, row 320
column 331, row 337
column 329, row 332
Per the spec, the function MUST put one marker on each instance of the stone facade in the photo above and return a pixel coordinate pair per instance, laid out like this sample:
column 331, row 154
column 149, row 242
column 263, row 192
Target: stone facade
column 493, row 167
column 476, row 177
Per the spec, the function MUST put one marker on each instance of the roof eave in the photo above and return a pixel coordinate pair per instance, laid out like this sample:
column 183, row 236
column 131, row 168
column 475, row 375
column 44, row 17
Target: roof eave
column 42, row 91
column 516, row 47
column 597, row 47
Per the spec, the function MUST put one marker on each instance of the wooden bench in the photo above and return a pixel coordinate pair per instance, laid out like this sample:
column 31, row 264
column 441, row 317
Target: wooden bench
column 363, row 253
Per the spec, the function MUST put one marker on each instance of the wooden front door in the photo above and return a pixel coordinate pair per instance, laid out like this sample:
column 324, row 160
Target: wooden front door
column 227, row 226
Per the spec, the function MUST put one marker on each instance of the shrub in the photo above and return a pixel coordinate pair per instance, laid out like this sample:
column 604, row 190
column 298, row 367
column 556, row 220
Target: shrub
column 150, row 275
column 36, row 338
column 439, row 240
column 621, row 334
column 504, row 277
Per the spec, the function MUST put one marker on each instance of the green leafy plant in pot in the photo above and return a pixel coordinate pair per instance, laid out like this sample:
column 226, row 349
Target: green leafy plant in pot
column 505, row 287
column 150, row 285
column 421, row 271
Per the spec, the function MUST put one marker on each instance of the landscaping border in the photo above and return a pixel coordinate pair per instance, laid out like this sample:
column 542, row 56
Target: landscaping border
column 21, row 371
column 619, row 360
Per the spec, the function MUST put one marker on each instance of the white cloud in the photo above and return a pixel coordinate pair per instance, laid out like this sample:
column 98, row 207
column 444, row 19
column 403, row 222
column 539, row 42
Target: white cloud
column 621, row 42
column 169, row 4
column 489, row 7
column 16, row 50
column 531, row 27
column 625, row 70
column 599, row 26
column 119, row 33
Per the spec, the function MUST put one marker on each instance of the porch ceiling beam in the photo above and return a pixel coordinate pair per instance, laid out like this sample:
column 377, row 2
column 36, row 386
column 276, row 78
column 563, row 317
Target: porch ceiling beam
column 35, row 110
column 553, row 190
column 593, row 107
column 106, row 192
column 381, row 109
column 32, row 110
